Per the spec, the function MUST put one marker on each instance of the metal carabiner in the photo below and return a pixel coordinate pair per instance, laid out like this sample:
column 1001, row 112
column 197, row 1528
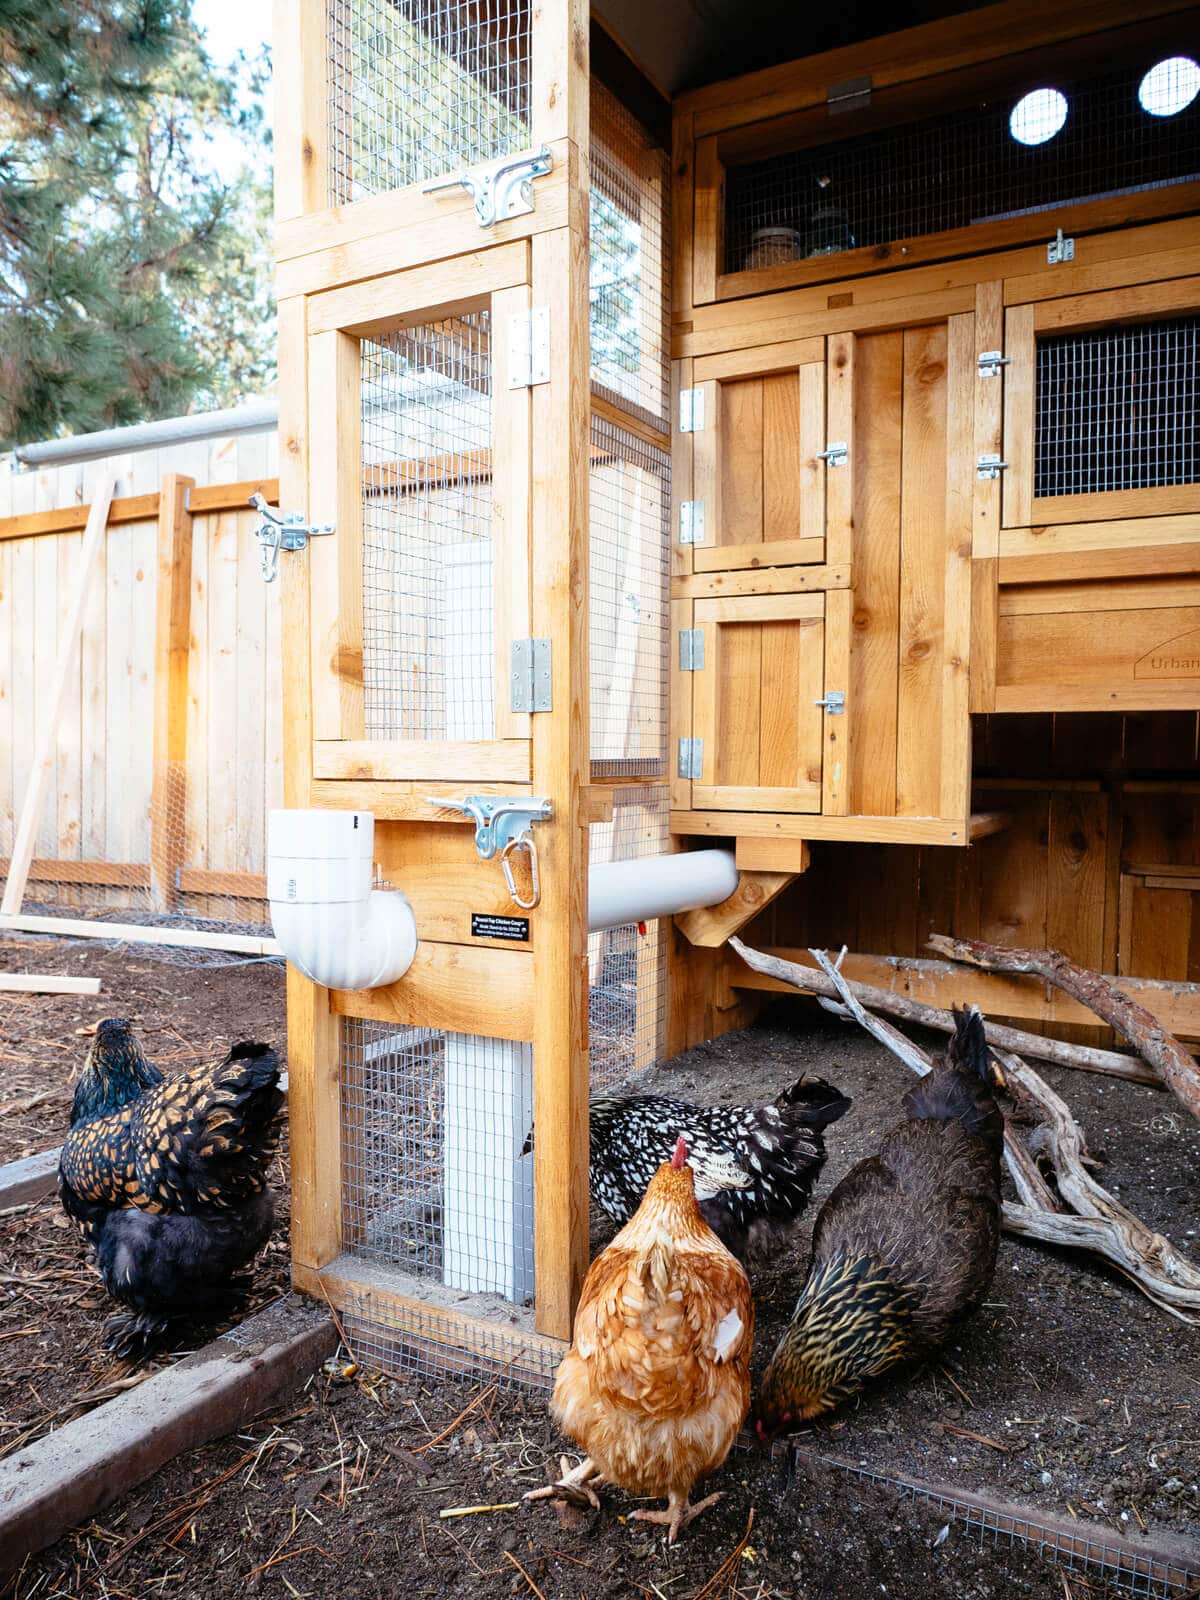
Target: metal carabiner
column 523, row 841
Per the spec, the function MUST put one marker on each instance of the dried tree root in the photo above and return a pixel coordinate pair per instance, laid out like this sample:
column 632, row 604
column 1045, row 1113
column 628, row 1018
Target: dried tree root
column 1111, row 1063
column 1141, row 1027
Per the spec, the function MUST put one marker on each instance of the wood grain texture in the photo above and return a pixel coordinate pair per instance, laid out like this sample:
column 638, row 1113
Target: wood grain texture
column 463, row 988
column 711, row 926
column 172, row 650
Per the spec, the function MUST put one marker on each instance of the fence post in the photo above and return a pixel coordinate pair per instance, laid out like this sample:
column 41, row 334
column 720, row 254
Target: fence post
column 172, row 647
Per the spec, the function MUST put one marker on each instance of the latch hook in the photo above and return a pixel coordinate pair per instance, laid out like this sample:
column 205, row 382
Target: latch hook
column 281, row 531
column 523, row 841
column 500, row 189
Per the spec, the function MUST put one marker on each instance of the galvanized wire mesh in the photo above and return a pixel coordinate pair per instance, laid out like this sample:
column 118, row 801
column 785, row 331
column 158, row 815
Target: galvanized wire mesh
column 1083, row 1548
column 427, row 532
column 963, row 166
column 421, row 88
column 627, row 280
column 629, row 616
column 437, row 1163
column 627, row 994
column 426, row 1342
column 1118, row 408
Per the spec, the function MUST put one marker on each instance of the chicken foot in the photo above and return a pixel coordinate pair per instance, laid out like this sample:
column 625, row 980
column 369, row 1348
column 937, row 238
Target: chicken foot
column 678, row 1513
column 577, row 1484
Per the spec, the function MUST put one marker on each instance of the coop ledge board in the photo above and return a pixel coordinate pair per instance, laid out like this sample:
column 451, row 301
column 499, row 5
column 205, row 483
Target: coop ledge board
column 72, row 1474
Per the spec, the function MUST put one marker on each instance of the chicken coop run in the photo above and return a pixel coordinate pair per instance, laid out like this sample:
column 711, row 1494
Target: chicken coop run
column 803, row 464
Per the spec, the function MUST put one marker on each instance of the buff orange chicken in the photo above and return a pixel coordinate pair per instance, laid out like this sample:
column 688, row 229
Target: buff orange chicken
column 656, row 1384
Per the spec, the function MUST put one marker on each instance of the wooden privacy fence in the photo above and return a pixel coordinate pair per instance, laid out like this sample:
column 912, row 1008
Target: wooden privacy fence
column 163, row 745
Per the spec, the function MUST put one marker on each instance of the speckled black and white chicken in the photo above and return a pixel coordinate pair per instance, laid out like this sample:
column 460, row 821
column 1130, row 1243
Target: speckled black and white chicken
column 754, row 1166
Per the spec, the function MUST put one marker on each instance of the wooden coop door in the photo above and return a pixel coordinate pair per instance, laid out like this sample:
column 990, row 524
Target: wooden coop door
column 831, row 589
column 420, row 457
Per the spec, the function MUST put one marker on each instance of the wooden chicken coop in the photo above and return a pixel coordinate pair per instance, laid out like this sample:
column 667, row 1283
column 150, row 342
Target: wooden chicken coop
column 805, row 462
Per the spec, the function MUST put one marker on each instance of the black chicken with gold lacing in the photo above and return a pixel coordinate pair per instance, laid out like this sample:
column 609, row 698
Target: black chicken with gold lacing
column 166, row 1178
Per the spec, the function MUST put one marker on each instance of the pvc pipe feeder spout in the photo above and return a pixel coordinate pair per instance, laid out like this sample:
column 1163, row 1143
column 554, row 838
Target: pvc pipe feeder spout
column 329, row 921
column 621, row 892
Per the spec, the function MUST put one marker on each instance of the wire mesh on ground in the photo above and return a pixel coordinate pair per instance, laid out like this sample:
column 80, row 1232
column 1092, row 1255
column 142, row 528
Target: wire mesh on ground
column 428, row 614
column 627, row 278
column 1086, row 1549
column 1118, row 408
column 630, row 517
column 421, row 88
column 960, row 167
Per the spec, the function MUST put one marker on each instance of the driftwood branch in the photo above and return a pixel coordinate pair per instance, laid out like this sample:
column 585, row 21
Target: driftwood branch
column 1099, row 1223
column 1141, row 1027
column 1110, row 1063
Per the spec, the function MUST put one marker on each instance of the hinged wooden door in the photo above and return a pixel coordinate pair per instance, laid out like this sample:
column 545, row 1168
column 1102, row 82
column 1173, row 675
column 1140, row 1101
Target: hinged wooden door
column 420, row 456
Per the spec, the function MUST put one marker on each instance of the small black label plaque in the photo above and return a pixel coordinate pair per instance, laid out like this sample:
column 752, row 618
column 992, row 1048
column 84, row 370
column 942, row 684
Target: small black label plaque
column 486, row 926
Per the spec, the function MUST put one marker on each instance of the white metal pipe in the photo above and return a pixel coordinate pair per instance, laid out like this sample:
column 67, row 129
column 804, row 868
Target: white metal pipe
column 254, row 417
column 658, row 886
column 329, row 921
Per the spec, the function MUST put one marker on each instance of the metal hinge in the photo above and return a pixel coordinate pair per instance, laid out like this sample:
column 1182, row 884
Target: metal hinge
column 990, row 467
column 990, row 363
column 691, row 411
column 834, row 703
column 853, row 95
column 1060, row 249
column 691, row 758
column 835, row 455
column 500, row 189
column 529, row 675
column 529, row 348
column 691, row 522
column 280, row 530
column 691, row 649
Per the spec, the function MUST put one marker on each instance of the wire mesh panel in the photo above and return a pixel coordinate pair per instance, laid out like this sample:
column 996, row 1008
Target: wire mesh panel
column 427, row 532
column 419, row 88
column 437, row 1160
column 1007, row 156
column 627, row 993
column 627, row 279
column 629, row 615
column 1118, row 408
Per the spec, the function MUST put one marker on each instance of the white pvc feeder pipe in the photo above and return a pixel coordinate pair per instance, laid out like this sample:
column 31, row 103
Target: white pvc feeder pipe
column 620, row 892
column 329, row 921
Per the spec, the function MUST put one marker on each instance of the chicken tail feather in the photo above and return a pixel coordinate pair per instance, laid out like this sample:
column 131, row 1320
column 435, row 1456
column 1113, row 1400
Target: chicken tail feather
column 960, row 1086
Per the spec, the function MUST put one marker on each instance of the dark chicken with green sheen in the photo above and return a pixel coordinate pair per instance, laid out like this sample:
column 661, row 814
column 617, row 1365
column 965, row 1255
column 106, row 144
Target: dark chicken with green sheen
column 166, row 1178
column 904, row 1246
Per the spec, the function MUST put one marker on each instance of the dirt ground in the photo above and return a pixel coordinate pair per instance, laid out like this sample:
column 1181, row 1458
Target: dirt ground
column 1067, row 1391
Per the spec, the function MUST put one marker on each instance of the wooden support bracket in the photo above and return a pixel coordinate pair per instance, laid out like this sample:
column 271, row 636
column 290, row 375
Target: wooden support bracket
column 712, row 925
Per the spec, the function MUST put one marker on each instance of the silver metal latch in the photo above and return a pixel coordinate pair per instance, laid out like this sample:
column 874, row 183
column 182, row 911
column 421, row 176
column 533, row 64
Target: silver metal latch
column 280, row 530
column 691, row 758
column 529, row 675
column 834, row 703
column 691, row 522
column 529, row 348
column 990, row 363
column 691, row 649
column 1060, row 249
column 500, row 189
column 691, row 411
column 989, row 467
column 499, row 819
column 835, row 455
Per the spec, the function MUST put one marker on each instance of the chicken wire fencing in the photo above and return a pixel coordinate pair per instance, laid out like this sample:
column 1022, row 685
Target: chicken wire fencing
column 627, row 984
column 627, row 276
column 1079, row 1548
column 1118, row 408
column 385, row 1336
column 629, row 612
column 1006, row 155
column 437, row 1158
column 428, row 668
column 417, row 89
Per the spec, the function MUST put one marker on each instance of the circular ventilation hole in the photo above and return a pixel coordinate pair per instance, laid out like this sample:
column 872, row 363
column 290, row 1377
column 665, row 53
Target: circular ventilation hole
column 1038, row 116
column 1170, row 86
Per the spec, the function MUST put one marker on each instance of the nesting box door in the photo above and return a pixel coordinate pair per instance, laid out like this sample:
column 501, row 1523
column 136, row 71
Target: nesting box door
column 420, row 457
column 829, row 676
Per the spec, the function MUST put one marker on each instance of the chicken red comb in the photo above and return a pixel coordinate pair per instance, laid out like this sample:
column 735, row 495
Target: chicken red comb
column 679, row 1159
